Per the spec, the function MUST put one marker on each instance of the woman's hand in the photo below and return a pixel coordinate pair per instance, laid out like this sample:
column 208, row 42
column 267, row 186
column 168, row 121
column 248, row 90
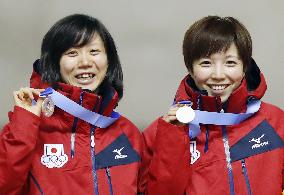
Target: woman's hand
column 170, row 116
column 23, row 98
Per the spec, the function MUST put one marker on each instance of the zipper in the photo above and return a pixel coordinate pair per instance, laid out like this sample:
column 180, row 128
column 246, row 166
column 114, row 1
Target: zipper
column 228, row 160
column 206, row 146
column 245, row 173
column 36, row 183
column 73, row 133
column 227, row 153
column 109, row 180
column 199, row 107
column 93, row 156
column 93, row 153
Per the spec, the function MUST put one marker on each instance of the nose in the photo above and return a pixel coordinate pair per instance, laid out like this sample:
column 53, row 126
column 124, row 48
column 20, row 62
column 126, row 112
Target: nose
column 218, row 72
column 85, row 62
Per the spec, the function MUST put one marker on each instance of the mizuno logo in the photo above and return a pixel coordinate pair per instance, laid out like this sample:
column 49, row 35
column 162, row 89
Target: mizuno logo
column 258, row 142
column 119, row 155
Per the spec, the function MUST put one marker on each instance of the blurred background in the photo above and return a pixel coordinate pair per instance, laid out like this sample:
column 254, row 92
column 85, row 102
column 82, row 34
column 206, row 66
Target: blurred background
column 148, row 35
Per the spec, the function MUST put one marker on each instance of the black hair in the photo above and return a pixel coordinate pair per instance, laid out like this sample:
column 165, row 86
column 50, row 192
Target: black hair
column 76, row 31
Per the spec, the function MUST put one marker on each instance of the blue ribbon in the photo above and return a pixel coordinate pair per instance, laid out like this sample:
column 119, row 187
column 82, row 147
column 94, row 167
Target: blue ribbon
column 76, row 110
column 215, row 118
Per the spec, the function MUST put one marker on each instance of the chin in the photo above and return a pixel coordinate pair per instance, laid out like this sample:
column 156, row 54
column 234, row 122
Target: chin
column 224, row 99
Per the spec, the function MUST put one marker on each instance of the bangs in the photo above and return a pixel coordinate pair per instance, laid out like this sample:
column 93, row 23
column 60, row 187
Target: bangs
column 212, row 39
column 76, row 34
column 83, row 37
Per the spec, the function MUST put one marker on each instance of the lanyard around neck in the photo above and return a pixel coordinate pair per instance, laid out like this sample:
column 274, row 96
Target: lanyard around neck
column 216, row 118
column 79, row 111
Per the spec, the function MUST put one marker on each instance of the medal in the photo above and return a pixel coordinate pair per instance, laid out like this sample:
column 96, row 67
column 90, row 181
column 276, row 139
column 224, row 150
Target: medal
column 185, row 114
column 47, row 106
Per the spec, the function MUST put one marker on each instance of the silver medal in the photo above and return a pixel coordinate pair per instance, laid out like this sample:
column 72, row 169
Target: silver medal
column 47, row 106
column 185, row 114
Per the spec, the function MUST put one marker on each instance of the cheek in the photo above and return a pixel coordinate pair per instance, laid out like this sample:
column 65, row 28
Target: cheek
column 66, row 67
column 200, row 76
column 237, row 76
column 66, row 64
column 102, row 64
column 102, row 73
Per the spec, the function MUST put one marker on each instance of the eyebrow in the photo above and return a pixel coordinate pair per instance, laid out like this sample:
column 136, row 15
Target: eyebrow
column 96, row 44
column 233, row 56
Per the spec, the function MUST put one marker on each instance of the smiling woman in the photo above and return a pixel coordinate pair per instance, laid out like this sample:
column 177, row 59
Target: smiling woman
column 84, row 147
column 78, row 48
column 209, row 148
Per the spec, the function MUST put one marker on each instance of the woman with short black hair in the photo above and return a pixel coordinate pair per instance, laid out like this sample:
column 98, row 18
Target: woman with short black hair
column 76, row 31
column 64, row 136
column 218, row 137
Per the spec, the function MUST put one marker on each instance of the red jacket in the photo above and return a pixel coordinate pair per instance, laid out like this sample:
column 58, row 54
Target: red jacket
column 252, row 162
column 37, row 157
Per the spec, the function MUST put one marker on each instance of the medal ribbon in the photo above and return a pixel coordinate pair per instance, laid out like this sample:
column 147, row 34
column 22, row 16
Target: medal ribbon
column 76, row 110
column 216, row 118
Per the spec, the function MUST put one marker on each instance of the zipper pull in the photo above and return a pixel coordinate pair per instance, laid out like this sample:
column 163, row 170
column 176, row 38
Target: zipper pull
column 93, row 141
column 107, row 171
column 243, row 165
column 72, row 145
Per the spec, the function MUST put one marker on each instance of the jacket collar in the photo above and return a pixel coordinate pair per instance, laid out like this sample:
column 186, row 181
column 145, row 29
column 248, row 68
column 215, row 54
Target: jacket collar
column 236, row 103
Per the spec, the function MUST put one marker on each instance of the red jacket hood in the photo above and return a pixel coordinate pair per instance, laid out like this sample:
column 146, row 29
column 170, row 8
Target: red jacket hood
column 253, row 86
column 101, row 104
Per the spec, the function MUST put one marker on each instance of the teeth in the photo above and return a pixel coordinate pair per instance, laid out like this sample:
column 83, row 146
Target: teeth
column 218, row 87
column 85, row 76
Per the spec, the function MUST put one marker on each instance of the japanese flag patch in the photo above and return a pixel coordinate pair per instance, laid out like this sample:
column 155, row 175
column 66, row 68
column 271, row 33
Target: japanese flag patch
column 54, row 156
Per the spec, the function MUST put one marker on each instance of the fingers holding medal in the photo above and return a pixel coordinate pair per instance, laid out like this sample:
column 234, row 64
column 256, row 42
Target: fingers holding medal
column 25, row 98
column 180, row 113
column 170, row 116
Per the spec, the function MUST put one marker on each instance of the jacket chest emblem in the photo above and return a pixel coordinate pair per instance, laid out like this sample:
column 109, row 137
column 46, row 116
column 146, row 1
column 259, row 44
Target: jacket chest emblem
column 261, row 139
column 119, row 152
column 257, row 142
column 194, row 153
column 54, row 156
column 119, row 155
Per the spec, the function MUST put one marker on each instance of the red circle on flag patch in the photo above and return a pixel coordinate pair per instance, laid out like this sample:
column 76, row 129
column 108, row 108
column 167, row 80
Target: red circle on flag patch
column 53, row 150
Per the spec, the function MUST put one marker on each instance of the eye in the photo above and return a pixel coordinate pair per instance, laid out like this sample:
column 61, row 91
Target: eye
column 71, row 53
column 94, row 52
column 231, row 63
column 205, row 63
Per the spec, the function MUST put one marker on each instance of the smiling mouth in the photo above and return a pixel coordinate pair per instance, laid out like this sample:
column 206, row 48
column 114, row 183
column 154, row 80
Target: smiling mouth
column 85, row 76
column 218, row 87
